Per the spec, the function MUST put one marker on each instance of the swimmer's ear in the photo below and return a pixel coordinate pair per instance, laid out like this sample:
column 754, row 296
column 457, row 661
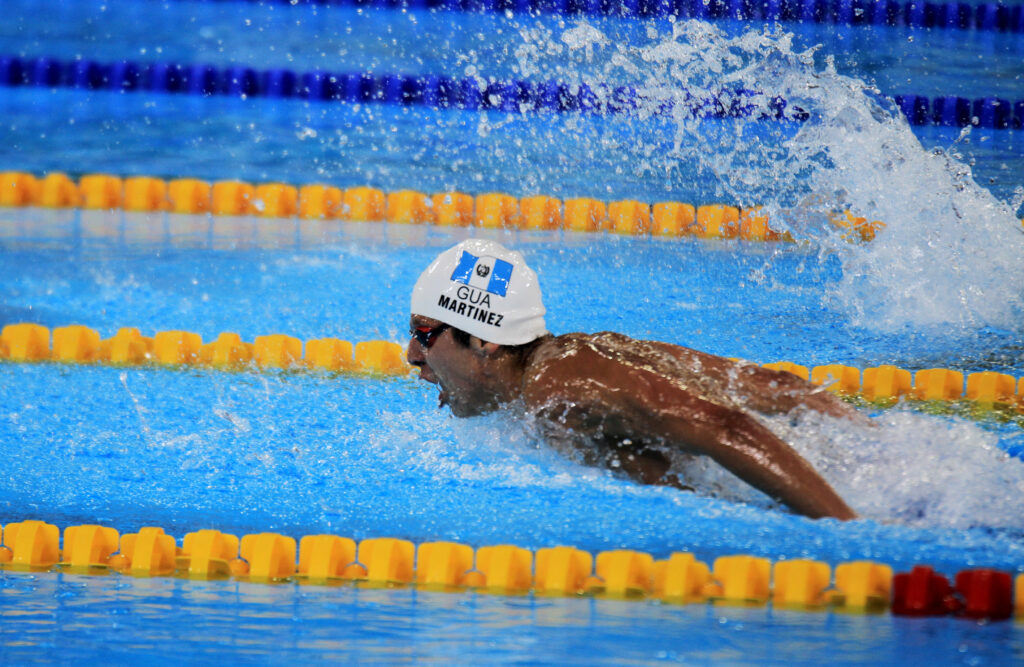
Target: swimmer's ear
column 482, row 348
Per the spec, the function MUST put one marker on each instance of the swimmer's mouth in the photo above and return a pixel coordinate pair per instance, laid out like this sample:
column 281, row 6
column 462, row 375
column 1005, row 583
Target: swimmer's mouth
column 442, row 395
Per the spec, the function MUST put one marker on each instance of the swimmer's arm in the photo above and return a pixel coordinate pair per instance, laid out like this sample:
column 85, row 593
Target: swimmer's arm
column 775, row 392
column 607, row 400
column 679, row 419
column 765, row 390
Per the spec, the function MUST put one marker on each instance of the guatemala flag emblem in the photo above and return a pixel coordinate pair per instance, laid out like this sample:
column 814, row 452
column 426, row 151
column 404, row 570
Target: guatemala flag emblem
column 486, row 273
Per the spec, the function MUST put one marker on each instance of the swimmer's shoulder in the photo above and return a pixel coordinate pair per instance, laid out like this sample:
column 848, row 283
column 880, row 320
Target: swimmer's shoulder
column 566, row 348
column 562, row 365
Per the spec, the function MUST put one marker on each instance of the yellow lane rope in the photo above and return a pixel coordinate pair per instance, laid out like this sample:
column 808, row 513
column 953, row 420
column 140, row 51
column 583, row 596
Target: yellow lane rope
column 865, row 586
column 446, row 209
column 27, row 342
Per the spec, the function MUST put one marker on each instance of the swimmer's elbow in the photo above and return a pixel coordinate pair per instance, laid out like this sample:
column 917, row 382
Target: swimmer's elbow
column 843, row 514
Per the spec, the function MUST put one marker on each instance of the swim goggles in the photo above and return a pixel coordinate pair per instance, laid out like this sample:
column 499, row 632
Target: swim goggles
column 427, row 336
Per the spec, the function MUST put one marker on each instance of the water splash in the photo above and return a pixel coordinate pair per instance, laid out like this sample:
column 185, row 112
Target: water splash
column 948, row 255
column 918, row 470
column 908, row 469
column 944, row 264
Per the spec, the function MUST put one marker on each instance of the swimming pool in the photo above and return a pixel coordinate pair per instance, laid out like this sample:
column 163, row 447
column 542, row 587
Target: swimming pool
column 304, row 453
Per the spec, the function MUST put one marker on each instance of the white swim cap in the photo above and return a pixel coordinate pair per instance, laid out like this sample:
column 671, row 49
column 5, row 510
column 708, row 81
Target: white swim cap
column 484, row 289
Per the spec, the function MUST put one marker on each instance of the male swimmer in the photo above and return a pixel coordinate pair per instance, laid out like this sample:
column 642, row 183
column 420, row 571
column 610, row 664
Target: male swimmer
column 478, row 333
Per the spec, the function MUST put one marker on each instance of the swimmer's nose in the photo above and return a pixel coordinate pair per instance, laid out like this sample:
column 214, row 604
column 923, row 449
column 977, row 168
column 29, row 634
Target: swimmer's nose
column 414, row 355
column 414, row 352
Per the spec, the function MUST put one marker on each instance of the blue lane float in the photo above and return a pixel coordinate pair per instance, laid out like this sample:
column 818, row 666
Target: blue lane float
column 985, row 16
column 443, row 92
column 987, row 112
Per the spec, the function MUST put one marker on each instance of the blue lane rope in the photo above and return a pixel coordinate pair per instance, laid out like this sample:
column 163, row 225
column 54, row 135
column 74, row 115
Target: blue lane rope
column 429, row 90
column 443, row 92
column 987, row 16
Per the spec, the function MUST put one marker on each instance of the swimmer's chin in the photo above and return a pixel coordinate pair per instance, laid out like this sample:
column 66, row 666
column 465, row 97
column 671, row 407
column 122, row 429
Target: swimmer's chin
column 444, row 399
column 461, row 409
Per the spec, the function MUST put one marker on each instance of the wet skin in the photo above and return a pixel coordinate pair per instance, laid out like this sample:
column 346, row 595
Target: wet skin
column 634, row 405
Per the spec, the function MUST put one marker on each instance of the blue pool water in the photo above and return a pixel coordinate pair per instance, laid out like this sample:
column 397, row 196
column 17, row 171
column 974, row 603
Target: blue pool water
column 301, row 142
column 138, row 620
column 392, row 626
column 304, row 453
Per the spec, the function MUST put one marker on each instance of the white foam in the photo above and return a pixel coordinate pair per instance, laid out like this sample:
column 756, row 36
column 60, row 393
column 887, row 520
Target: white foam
column 908, row 469
column 911, row 469
column 917, row 469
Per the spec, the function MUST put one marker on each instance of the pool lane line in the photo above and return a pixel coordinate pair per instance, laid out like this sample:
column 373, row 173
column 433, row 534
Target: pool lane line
column 492, row 210
column 857, row 586
column 28, row 342
column 440, row 92
column 434, row 91
column 879, row 386
column 985, row 16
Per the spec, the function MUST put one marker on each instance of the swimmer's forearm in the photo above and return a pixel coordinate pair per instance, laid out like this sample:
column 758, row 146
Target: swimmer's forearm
column 760, row 458
column 776, row 469
column 786, row 477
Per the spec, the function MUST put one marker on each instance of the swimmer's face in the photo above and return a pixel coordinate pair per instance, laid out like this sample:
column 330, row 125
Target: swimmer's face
column 456, row 369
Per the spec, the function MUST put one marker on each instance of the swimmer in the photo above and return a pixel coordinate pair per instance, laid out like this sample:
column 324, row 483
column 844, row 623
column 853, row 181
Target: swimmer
column 478, row 332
